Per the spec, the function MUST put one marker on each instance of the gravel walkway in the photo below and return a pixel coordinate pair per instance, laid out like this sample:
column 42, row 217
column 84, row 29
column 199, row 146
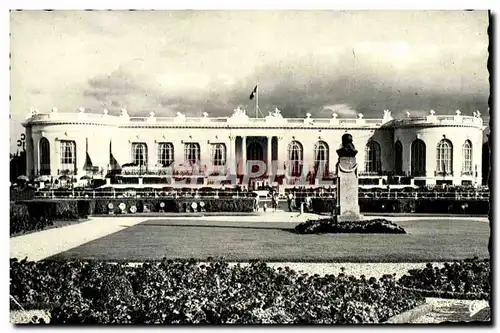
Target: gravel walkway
column 453, row 310
column 43, row 244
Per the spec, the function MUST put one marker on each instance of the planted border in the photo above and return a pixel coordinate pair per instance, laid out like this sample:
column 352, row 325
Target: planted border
column 186, row 292
column 464, row 279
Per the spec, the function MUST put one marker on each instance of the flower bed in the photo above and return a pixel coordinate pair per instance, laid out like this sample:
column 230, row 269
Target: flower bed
column 465, row 279
column 323, row 226
column 185, row 292
column 408, row 205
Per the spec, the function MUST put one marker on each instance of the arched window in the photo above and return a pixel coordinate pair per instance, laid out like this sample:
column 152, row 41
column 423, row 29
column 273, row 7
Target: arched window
column 68, row 156
column 444, row 157
column 295, row 158
column 321, row 157
column 467, row 158
column 139, row 153
column 417, row 158
column 372, row 157
column 165, row 154
column 192, row 153
column 398, row 158
column 218, row 154
column 44, row 157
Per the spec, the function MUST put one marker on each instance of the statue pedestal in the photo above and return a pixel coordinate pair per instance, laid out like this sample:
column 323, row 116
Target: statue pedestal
column 347, row 190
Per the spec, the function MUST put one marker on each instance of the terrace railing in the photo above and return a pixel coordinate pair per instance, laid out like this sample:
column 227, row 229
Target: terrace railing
column 158, row 193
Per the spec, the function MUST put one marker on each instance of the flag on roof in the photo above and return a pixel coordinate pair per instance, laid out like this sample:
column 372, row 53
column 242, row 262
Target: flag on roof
column 254, row 92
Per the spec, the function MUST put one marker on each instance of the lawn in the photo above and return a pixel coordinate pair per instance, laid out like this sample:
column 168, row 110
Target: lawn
column 427, row 240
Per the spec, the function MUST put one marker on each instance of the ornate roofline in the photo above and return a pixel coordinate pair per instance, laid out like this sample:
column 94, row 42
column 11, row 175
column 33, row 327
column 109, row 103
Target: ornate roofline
column 239, row 119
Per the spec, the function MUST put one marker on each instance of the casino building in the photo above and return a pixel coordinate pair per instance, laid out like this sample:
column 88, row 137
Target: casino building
column 434, row 149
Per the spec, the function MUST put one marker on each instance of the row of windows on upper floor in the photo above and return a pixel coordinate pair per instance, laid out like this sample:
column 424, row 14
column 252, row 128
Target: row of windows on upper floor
column 372, row 163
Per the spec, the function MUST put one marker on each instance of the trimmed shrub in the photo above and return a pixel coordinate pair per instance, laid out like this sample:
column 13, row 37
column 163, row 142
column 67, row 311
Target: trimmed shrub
column 21, row 221
column 66, row 210
column 467, row 279
column 375, row 226
column 74, row 209
column 408, row 205
column 185, row 292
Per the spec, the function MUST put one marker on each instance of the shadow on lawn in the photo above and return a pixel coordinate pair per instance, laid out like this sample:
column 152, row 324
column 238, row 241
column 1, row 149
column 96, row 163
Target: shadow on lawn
column 291, row 229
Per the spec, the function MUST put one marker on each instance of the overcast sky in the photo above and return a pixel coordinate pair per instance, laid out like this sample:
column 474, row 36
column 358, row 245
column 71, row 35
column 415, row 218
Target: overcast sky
column 209, row 61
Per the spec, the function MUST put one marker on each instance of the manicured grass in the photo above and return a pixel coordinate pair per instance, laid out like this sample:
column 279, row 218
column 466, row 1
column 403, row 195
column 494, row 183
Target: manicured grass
column 427, row 240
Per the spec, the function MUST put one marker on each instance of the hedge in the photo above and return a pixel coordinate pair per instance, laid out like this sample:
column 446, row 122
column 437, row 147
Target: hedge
column 187, row 292
column 81, row 208
column 21, row 221
column 441, row 206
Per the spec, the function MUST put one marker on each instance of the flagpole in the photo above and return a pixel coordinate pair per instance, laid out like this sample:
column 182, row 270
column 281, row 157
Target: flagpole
column 257, row 102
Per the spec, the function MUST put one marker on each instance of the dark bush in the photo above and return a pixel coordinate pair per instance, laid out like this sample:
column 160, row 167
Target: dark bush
column 469, row 279
column 21, row 221
column 185, row 292
column 54, row 209
column 375, row 226
column 408, row 205
column 73, row 209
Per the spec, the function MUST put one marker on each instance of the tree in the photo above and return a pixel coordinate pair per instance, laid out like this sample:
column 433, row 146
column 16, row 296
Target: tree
column 17, row 165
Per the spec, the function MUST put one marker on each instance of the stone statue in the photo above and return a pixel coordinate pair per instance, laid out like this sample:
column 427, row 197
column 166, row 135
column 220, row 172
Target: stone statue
column 347, row 149
column 347, row 207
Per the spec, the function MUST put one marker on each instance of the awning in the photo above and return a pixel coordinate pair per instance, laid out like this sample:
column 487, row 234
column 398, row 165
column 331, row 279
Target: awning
column 88, row 163
column 113, row 163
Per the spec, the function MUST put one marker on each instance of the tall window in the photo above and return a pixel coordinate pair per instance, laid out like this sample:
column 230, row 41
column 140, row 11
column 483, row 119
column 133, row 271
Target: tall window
column 139, row 153
column 191, row 153
column 444, row 157
column 218, row 154
column 165, row 154
column 321, row 156
column 255, row 151
column 398, row 161
column 417, row 157
column 68, row 155
column 44, row 157
column 467, row 158
column 295, row 158
column 372, row 157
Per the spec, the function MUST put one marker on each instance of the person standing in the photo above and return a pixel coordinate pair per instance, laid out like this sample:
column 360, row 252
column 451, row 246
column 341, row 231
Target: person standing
column 275, row 201
column 289, row 201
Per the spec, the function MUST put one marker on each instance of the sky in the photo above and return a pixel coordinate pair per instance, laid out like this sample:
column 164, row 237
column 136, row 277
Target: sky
column 316, row 62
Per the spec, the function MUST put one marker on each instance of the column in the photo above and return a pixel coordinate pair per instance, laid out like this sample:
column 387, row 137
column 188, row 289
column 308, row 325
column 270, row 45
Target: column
column 55, row 156
column 205, row 156
column 243, row 161
column 178, row 152
column 232, row 155
column 282, row 154
column 152, row 153
column 81, row 155
column 36, row 155
column 269, row 155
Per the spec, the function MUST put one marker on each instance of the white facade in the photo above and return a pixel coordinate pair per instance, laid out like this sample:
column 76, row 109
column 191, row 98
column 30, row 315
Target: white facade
column 59, row 143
